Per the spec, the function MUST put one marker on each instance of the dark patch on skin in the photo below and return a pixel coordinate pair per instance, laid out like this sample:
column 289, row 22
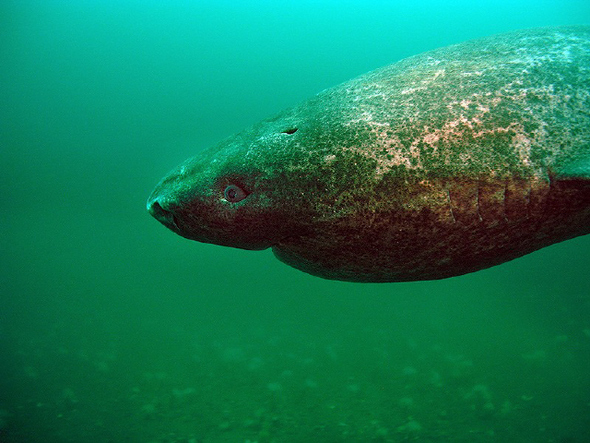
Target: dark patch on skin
column 441, row 164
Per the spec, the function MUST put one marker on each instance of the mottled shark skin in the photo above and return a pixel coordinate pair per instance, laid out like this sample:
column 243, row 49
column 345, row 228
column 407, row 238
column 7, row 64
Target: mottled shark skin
column 441, row 164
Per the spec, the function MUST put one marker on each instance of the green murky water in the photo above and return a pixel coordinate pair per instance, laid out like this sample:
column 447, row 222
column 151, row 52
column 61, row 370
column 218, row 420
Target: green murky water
column 113, row 329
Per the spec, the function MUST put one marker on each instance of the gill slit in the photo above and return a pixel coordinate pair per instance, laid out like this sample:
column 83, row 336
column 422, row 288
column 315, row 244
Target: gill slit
column 528, row 199
column 451, row 206
column 504, row 202
column 477, row 202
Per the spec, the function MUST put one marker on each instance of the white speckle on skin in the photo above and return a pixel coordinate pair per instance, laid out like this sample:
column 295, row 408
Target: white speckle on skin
column 431, row 138
column 476, row 73
column 412, row 90
column 438, row 73
column 465, row 104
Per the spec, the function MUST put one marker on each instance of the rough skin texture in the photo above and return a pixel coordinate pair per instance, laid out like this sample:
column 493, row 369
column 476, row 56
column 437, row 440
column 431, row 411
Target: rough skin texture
column 441, row 164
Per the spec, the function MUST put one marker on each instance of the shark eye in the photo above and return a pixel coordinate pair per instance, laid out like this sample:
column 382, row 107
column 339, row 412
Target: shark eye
column 234, row 194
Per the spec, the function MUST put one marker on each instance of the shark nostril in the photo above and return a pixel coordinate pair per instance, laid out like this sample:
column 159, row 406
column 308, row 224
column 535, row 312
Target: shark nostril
column 156, row 210
column 164, row 216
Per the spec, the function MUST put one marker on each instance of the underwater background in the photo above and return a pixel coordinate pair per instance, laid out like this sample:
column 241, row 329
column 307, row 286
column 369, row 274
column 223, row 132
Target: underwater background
column 114, row 329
